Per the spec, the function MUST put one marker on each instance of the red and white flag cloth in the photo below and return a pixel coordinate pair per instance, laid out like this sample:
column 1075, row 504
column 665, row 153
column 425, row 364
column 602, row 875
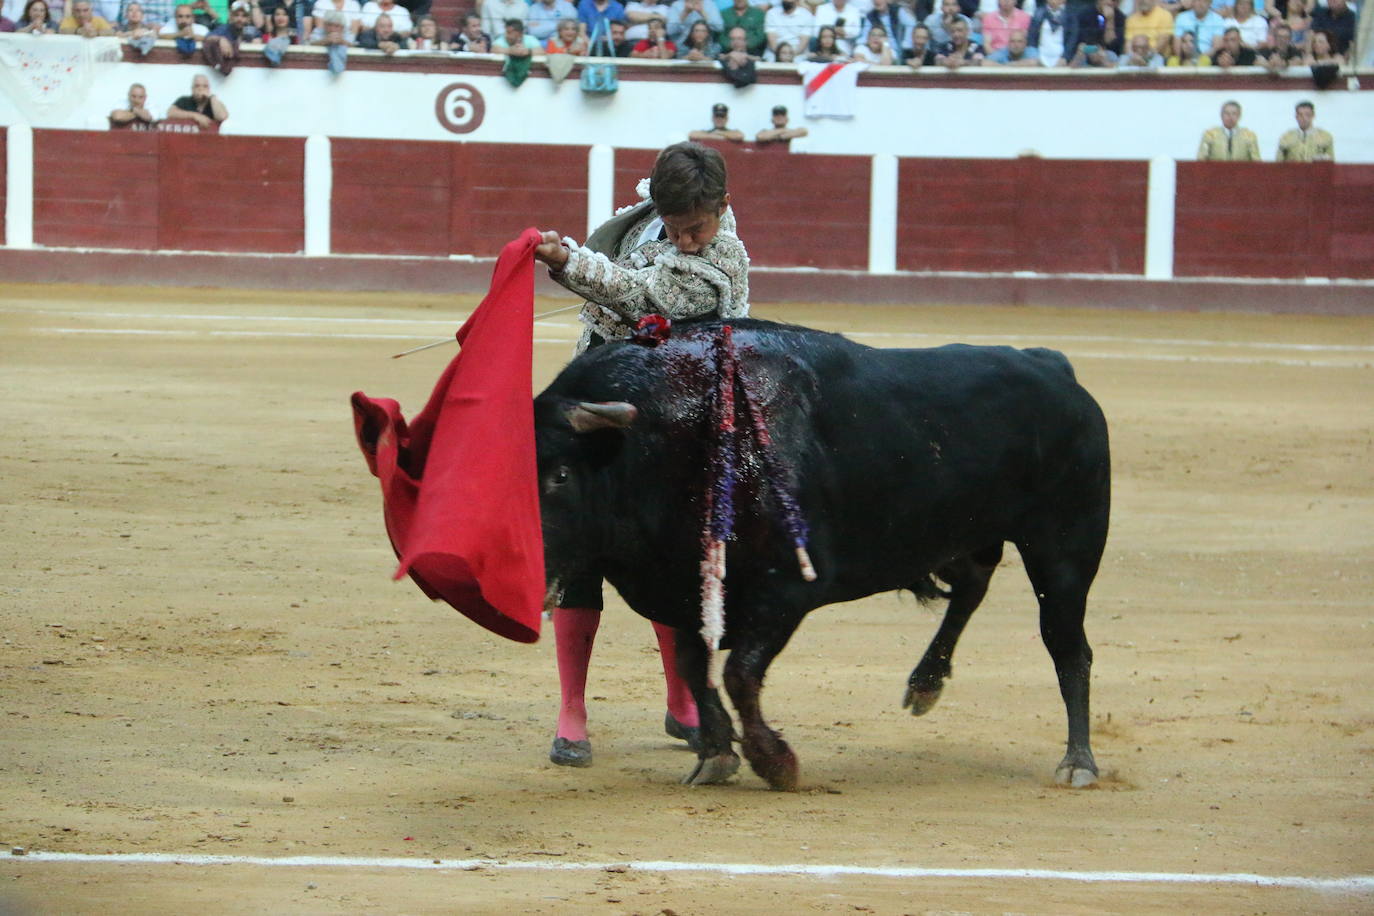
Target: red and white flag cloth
column 460, row 492
column 830, row 90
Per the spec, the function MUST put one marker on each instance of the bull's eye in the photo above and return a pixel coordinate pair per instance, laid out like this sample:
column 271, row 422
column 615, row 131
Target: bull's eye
column 558, row 477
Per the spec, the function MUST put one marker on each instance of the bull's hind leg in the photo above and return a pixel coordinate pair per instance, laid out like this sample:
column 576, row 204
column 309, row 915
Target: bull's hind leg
column 968, row 579
column 1061, row 566
column 767, row 753
column 717, row 760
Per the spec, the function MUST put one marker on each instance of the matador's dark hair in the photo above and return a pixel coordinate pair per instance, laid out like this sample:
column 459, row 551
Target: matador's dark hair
column 687, row 177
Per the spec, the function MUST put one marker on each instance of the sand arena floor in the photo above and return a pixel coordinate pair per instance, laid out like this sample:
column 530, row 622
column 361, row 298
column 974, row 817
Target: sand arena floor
column 201, row 651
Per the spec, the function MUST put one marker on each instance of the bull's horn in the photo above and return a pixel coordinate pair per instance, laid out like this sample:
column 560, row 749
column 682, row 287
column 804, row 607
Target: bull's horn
column 587, row 416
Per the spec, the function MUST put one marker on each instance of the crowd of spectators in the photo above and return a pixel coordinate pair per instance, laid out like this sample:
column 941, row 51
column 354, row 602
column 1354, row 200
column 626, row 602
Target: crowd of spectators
column 1121, row 34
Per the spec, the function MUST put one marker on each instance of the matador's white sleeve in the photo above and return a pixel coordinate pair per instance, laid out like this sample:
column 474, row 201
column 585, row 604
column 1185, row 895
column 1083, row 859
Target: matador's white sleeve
column 660, row 279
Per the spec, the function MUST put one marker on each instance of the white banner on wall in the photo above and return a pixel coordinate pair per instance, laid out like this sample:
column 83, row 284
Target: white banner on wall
column 48, row 77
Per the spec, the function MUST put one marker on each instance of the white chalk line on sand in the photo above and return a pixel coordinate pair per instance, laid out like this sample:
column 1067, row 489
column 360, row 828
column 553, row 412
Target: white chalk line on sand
column 457, row 319
column 1351, row 363
column 1357, row 883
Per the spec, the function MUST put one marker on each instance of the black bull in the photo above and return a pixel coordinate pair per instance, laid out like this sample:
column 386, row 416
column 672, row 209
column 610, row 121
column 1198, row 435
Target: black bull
column 910, row 466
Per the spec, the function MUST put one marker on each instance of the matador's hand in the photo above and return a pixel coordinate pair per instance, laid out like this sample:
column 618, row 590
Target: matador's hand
column 551, row 250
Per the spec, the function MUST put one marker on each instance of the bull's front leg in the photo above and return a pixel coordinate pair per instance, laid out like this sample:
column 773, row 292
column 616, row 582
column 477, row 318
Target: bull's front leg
column 717, row 760
column 767, row 753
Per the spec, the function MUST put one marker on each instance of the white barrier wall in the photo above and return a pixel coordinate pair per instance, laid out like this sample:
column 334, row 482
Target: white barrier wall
column 1135, row 119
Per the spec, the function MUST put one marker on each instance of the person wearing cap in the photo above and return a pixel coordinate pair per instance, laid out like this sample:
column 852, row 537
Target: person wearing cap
column 719, row 129
column 779, row 132
column 675, row 254
column 221, row 46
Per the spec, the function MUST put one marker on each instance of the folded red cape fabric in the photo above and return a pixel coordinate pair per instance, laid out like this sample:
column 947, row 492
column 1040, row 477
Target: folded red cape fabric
column 459, row 484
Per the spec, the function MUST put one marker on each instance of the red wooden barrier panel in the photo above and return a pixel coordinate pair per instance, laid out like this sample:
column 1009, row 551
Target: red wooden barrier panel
column 1274, row 219
column 1050, row 216
column 104, row 195
column 434, row 198
column 500, row 189
column 230, row 193
column 792, row 210
column 390, row 197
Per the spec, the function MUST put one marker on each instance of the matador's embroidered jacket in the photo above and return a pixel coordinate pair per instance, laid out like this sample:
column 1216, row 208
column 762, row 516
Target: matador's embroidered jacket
column 625, row 271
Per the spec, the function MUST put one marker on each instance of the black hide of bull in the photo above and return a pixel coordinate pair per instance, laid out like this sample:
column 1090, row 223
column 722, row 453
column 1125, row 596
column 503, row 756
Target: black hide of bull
column 909, row 465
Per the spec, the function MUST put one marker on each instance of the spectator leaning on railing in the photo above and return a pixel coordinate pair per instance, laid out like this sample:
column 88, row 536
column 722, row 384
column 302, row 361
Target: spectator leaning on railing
column 382, row 37
column 184, row 30
column 1282, row 53
column 84, row 22
column 743, row 15
column 135, row 28
column 1017, row 53
column 221, row 46
column 36, row 19
column 472, row 39
column 544, row 17
column 135, row 114
column 922, row 50
column 201, row 106
column 569, row 39
column 1140, row 55
column 698, row 45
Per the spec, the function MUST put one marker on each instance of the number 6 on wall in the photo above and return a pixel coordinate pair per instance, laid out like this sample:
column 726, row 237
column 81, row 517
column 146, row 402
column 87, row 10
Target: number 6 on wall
column 460, row 108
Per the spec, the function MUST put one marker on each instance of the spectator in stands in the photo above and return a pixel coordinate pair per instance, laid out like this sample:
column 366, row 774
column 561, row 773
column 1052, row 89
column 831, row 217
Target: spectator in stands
column 426, row 36
column 568, row 39
column 656, row 46
column 750, row 18
column 621, row 45
column 736, row 62
column 1101, row 36
column 1231, row 53
column 1203, row 23
column 518, row 48
column 1229, row 142
column 1185, row 53
column 84, row 22
column 1322, row 51
column 592, row 12
column 135, row 114
column 1299, row 20
column 221, row 46
column 201, row 106
column 1017, row 53
column 1282, row 53
column 938, row 23
column 699, row 45
column 1306, row 143
column 784, row 53
column 472, row 39
column 719, row 129
column 36, row 19
column 876, row 47
column 959, row 51
column 546, row 16
column 278, row 35
column 157, row 13
column 1140, row 55
column 135, row 29
column 1151, row 20
column 401, row 23
column 790, row 23
column 1001, row 22
column 382, row 37
column 779, row 132
column 336, row 37
column 205, row 14
column 826, row 46
column 922, row 50
column 496, row 13
column 349, row 10
column 1254, row 29
column 897, row 21
column 1338, row 20
column 639, row 12
column 184, row 30
column 846, row 18
column 1054, row 33
column 683, row 14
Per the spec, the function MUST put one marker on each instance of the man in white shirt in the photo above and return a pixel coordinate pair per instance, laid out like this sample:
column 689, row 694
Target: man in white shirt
column 638, row 13
column 846, row 17
column 496, row 12
column 401, row 22
column 790, row 23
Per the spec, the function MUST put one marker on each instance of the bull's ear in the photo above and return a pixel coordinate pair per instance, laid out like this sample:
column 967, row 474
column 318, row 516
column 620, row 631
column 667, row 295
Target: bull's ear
column 586, row 416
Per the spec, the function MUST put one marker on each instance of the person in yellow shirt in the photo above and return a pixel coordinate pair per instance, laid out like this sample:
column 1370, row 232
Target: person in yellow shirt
column 1229, row 143
column 1306, row 143
column 83, row 21
column 1152, row 20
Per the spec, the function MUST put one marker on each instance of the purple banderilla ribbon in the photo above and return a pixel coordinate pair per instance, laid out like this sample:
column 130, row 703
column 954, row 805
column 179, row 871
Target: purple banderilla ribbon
column 731, row 398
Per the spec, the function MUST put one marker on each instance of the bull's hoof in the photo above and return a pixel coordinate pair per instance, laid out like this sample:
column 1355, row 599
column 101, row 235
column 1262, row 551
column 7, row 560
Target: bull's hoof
column 779, row 770
column 921, row 701
column 1076, row 772
column 567, row 753
column 675, row 729
column 712, row 771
